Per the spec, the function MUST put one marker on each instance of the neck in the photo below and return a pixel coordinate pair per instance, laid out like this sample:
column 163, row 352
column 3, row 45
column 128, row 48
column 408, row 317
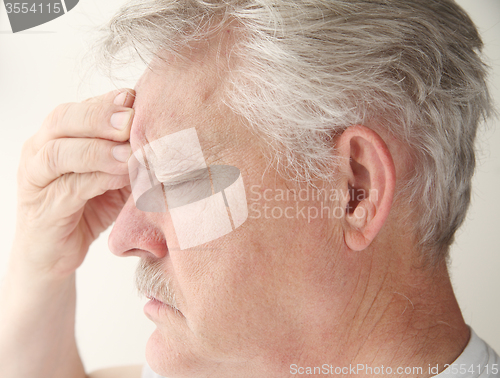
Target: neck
column 392, row 314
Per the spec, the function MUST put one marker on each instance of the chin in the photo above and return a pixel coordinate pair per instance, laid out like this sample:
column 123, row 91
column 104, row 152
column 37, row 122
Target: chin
column 173, row 358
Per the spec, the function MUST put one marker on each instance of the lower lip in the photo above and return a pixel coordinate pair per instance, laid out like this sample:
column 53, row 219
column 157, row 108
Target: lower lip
column 155, row 308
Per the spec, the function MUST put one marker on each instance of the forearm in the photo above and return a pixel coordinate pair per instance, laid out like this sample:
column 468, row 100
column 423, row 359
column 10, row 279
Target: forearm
column 37, row 325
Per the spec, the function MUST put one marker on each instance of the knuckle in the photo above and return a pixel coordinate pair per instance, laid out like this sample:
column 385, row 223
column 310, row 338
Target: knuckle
column 101, row 98
column 68, row 187
column 81, row 188
column 64, row 187
column 49, row 156
column 90, row 151
column 56, row 118
column 33, row 164
column 93, row 116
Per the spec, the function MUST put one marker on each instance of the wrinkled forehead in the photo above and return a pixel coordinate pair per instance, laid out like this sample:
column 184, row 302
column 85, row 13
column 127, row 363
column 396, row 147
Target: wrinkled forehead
column 172, row 96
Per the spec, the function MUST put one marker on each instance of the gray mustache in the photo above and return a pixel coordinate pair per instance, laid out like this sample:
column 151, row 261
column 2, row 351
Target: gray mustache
column 150, row 282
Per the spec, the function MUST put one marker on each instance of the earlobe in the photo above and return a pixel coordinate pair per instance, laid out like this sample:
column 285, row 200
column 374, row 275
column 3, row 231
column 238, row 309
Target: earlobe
column 358, row 236
column 370, row 178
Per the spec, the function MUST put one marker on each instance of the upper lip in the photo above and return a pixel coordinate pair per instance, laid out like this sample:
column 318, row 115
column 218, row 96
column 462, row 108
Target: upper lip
column 153, row 297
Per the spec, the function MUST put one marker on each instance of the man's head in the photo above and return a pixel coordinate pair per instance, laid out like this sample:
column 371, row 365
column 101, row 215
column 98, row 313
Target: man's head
column 304, row 71
column 353, row 125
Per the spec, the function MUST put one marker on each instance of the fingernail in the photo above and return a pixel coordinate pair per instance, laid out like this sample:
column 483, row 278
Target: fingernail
column 120, row 98
column 122, row 152
column 121, row 120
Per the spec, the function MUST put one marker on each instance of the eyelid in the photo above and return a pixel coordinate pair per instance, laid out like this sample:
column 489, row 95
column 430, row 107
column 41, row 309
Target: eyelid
column 186, row 173
column 175, row 154
column 196, row 175
column 142, row 165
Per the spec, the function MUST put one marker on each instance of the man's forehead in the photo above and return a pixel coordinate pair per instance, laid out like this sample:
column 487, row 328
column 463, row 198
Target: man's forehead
column 173, row 97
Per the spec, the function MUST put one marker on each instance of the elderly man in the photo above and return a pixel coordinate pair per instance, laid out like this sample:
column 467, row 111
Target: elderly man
column 291, row 175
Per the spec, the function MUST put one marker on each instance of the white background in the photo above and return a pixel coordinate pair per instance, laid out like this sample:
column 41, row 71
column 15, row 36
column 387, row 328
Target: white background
column 42, row 67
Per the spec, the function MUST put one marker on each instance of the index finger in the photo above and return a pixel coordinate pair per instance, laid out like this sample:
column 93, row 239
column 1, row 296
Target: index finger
column 106, row 117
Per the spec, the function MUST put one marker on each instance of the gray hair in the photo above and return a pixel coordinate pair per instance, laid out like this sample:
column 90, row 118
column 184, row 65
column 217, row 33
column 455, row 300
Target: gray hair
column 311, row 68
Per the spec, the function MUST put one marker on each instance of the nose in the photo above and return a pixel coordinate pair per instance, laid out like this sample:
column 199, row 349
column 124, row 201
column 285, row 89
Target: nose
column 138, row 233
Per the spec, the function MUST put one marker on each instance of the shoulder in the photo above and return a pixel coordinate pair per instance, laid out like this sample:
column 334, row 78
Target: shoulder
column 478, row 360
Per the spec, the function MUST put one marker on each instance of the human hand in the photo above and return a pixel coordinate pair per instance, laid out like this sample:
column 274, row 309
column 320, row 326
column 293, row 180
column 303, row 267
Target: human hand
column 72, row 182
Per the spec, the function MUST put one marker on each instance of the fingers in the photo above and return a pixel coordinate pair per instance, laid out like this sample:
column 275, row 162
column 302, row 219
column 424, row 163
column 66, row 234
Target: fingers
column 122, row 97
column 106, row 117
column 66, row 169
column 73, row 190
column 77, row 155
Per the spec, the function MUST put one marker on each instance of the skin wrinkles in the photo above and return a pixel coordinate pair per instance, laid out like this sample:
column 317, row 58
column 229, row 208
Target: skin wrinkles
column 136, row 133
column 277, row 290
column 276, row 281
column 378, row 314
column 180, row 109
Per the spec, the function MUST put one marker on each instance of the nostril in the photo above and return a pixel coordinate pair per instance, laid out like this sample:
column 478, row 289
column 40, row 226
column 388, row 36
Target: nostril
column 136, row 233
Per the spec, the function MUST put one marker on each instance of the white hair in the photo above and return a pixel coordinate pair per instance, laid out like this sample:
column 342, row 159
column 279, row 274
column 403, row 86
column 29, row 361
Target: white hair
column 311, row 68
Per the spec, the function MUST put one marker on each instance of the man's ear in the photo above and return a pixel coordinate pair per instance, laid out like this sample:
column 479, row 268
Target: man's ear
column 369, row 176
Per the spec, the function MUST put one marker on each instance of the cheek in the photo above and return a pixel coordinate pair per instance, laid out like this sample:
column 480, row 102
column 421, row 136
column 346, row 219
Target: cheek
column 237, row 292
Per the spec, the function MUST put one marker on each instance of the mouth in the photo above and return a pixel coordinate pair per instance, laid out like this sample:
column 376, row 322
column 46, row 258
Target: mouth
column 158, row 304
column 152, row 284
